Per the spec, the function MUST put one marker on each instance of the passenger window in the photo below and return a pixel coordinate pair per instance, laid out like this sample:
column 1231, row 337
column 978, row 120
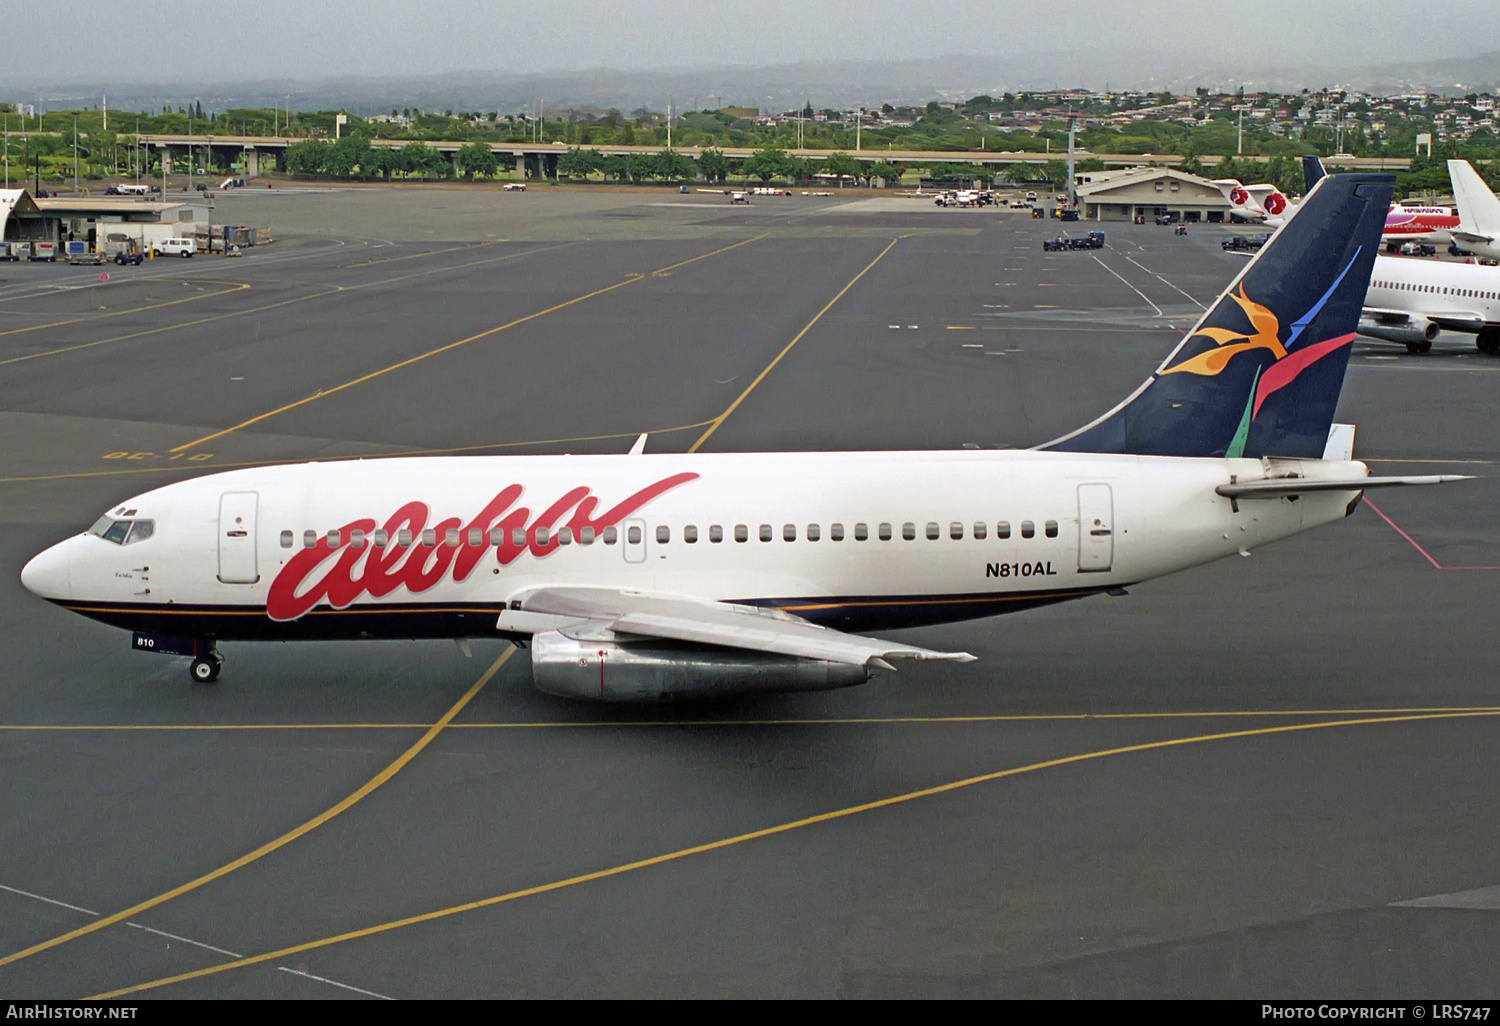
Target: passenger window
column 357, row 539
column 789, row 532
column 766, row 533
column 909, row 531
column 403, row 537
column 633, row 535
column 956, row 531
column 690, row 534
column 663, row 534
column 1002, row 529
column 980, row 530
column 451, row 537
column 429, row 537
column 934, row 532
column 143, row 529
column 716, row 534
column 585, row 536
column 1051, row 528
column 518, row 537
column 565, row 536
column 1028, row 529
column 333, row 539
column 835, row 532
column 813, row 533
column 382, row 537
column 542, row 534
column 611, row 535
column 476, row 538
column 309, row 539
column 286, row 539
column 741, row 533
column 861, row 532
column 885, row 532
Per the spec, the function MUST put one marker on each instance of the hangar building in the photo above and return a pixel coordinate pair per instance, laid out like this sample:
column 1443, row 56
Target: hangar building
column 1148, row 192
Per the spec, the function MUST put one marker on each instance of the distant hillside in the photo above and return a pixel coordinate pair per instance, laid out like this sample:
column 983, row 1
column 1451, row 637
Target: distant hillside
column 778, row 87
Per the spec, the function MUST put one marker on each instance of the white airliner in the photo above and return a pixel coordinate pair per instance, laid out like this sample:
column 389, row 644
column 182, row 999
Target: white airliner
column 1478, row 229
column 1411, row 299
column 639, row 577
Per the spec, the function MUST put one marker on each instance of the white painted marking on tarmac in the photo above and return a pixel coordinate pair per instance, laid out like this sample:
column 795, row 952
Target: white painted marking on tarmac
column 1480, row 898
column 973, row 345
column 335, row 983
column 912, row 327
column 1132, row 288
column 50, row 901
column 894, row 327
column 186, row 940
column 1379, row 357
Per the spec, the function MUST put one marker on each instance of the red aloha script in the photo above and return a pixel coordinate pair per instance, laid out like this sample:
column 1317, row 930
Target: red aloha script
column 349, row 572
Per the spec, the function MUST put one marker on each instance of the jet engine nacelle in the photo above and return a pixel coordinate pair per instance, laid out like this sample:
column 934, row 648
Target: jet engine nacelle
column 651, row 671
column 1414, row 332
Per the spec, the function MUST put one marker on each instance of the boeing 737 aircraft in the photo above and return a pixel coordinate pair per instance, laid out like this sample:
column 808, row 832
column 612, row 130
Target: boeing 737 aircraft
column 1478, row 228
column 638, row 577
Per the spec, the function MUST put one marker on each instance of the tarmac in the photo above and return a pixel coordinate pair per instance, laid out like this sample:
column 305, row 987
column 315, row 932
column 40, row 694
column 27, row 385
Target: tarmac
column 1270, row 777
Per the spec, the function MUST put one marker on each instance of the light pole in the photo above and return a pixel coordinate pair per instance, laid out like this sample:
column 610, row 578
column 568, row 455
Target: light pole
column 75, row 152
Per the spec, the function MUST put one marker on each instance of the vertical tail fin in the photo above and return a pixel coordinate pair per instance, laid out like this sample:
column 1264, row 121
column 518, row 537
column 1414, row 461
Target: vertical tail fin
column 1312, row 173
column 1478, row 208
column 1261, row 372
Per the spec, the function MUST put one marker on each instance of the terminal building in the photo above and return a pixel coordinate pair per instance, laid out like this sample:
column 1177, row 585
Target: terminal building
column 1149, row 192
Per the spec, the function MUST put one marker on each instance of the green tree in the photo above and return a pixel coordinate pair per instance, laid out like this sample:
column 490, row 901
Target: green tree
column 422, row 160
column 475, row 158
column 843, row 165
column 713, row 165
column 579, row 163
column 885, row 171
column 305, row 158
column 767, row 163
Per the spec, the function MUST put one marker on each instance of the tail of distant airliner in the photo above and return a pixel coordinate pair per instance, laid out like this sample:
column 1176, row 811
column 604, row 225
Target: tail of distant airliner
column 1312, row 172
column 1241, row 200
column 1261, row 372
column 1478, row 208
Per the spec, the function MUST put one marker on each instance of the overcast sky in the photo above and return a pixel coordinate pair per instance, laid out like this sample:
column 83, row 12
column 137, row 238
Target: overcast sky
column 144, row 40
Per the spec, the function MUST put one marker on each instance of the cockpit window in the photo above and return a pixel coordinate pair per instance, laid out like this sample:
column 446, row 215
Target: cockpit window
column 123, row 532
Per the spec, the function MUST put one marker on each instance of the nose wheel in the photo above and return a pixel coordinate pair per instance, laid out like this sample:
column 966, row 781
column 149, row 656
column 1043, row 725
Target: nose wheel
column 205, row 668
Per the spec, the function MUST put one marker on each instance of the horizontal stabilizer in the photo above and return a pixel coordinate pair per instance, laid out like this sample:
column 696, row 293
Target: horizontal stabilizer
column 1281, row 486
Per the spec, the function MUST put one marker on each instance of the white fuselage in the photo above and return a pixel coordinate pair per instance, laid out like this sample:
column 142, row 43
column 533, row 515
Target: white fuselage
column 858, row 540
column 1457, row 296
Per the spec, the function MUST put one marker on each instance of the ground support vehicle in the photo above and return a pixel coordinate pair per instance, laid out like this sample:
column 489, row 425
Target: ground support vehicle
column 1241, row 243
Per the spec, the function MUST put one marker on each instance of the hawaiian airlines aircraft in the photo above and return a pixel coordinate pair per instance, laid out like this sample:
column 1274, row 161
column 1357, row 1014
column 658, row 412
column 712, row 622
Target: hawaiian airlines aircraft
column 1404, row 222
column 1264, row 203
column 638, row 577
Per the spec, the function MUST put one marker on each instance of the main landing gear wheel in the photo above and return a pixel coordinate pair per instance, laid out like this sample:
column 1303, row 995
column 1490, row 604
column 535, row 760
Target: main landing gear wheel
column 1488, row 341
column 1423, row 346
column 205, row 669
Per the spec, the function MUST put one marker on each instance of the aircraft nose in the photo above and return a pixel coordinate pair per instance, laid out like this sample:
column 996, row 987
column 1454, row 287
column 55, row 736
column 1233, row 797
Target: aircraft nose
column 48, row 573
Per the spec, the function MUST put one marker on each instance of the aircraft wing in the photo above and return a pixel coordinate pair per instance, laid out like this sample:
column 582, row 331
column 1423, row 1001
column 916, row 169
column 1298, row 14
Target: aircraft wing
column 623, row 611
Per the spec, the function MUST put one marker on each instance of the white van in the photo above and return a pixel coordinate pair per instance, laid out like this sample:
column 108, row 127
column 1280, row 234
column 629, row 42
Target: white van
column 177, row 247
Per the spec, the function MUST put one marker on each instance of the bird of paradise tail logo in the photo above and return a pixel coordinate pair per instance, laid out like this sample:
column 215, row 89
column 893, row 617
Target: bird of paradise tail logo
column 1288, row 360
